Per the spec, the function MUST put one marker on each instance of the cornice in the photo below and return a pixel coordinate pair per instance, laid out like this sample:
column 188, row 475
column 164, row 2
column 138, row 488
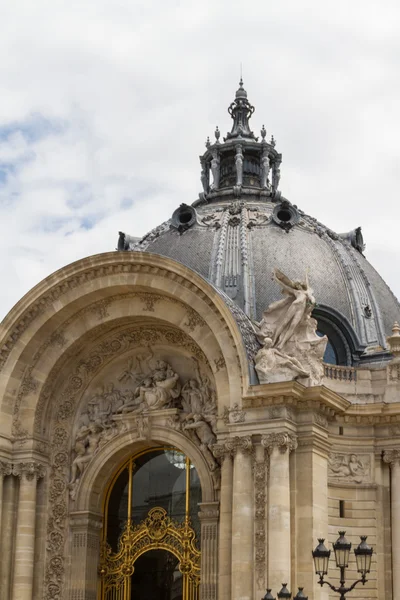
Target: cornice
column 294, row 393
column 323, row 399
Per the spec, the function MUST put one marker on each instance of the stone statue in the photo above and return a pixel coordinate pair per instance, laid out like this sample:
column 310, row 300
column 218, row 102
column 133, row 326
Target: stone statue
column 85, row 447
column 282, row 318
column 277, row 366
column 276, row 176
column 264, row 170
column 291, row 347
column 205, row 437
column 215, row 164
column 192, row 398
column 204, row 177
column 239, row 165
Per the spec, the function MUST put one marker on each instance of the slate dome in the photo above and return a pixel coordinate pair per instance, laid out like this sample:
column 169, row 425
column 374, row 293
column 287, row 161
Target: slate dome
column 241, row 228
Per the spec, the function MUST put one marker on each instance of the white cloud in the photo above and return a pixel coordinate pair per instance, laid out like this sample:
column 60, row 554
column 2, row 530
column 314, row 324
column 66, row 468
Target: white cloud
column 106, row 107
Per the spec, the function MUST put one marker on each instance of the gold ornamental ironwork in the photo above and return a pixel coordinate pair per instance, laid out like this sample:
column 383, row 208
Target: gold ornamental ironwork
column 156, row 532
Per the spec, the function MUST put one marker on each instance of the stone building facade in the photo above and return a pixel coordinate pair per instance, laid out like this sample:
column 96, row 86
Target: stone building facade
column 172, row 426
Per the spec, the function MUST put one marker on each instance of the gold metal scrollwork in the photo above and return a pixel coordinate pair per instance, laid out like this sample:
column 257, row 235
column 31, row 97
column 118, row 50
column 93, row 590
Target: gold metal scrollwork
column 156, row 532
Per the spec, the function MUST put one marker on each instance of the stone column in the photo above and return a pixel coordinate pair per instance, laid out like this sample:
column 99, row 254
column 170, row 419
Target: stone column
column 209, row 550
column 279, row 445
column 7, row 512
column 260, row 520
column 225, row 522
column 243, row 519
column 393, row 458
column 28, row 474
column 85, row 554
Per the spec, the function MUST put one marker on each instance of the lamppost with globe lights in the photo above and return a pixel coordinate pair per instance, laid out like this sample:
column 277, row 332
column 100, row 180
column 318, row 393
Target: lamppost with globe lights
column 342, row 548
column 285, row 594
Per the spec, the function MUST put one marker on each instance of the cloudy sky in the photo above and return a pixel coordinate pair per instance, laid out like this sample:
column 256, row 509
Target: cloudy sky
column 106, row 104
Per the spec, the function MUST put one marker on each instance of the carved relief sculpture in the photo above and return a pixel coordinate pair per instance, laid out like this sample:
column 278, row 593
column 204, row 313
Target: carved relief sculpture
column 291, row 347
column 349, row 467
column 144, row 385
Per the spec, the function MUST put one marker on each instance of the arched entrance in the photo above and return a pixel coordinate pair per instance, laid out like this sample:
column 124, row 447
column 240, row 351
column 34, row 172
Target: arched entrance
column 151, row 540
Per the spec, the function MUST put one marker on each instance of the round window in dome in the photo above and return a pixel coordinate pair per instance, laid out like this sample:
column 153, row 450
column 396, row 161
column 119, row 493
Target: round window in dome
column 285, row 215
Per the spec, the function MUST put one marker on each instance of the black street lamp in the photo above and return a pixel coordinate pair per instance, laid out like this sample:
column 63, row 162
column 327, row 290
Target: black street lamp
column 342, row 548
column 284, row 593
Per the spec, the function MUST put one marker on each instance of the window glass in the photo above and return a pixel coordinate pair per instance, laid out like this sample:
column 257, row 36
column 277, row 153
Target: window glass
column 159, row 480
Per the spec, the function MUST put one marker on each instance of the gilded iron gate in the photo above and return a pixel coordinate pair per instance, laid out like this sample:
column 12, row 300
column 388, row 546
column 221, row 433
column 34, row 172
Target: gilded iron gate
column 157, row 532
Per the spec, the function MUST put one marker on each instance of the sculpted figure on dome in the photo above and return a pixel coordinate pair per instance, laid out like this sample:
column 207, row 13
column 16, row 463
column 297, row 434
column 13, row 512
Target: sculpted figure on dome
column 291, row 347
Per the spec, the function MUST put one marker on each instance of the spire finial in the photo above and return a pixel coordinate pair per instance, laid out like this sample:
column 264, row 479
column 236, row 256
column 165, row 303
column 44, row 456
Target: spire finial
column 263, row 133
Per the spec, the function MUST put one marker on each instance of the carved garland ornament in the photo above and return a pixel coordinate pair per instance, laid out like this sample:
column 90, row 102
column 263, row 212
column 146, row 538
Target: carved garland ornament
column 64, row 402
column 260, row 477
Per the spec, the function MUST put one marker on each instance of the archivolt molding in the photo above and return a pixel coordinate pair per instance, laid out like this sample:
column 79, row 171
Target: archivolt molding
column 43, row 301
column 32, row 362
column 60, row 341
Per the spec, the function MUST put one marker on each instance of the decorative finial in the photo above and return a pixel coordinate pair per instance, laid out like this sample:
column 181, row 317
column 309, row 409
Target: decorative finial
column 394, row 340
column 241, row 82
column 208, row 143
column 217, row 133
column 273, row 141
column 263, row 133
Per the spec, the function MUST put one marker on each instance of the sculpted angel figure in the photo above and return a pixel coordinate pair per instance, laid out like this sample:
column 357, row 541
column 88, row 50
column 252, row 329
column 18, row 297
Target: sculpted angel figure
column 282, row 318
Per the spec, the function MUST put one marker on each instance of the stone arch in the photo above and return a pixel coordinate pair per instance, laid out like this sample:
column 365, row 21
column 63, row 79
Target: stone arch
column 96, row 478
column 36, row 331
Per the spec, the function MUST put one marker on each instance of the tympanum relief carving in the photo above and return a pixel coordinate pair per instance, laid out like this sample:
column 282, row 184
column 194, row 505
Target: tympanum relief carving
column 131, row 392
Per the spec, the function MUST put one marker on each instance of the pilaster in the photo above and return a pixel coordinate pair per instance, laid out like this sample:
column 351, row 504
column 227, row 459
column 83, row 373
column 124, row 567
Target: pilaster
column 224, row 452
column 242, row 518
column 392, row 457
column 85, row 552
column 28, row 473
column 279, row 445
column 209, row 550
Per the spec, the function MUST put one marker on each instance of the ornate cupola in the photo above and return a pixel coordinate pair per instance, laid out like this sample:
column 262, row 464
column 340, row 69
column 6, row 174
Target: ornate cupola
column 241, row 164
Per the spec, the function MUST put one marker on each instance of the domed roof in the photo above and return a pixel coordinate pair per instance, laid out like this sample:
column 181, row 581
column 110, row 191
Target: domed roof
column 241, row 228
